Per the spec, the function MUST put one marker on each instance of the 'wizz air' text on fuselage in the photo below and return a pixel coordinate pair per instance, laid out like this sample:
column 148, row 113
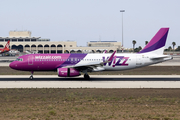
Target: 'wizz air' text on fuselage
column 117, row 61
column 47, row 57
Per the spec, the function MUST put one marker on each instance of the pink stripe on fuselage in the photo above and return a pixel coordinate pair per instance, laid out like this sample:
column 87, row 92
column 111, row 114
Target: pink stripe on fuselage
column 53, row 60
column 41, row 62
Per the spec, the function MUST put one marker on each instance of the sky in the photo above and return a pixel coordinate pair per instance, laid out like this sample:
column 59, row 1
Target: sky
column 92, row 20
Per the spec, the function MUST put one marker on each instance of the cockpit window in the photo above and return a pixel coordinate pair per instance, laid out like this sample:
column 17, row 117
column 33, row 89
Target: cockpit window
column 19, row 59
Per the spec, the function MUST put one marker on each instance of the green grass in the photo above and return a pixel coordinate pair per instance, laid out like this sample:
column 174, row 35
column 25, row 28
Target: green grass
column 90, row 104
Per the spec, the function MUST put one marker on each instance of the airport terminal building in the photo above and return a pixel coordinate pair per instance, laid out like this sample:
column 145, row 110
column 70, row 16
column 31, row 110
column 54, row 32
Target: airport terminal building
column 22, row 41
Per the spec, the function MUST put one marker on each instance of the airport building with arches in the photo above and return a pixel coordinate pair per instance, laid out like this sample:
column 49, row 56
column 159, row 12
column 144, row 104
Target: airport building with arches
column 22, row 41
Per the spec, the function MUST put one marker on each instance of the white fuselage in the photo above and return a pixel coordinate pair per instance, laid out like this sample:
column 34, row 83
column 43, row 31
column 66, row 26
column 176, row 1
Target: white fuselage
column 123, row 61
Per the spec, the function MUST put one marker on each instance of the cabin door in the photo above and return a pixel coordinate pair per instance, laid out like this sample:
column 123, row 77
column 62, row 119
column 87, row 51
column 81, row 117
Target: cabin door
column 30, row 60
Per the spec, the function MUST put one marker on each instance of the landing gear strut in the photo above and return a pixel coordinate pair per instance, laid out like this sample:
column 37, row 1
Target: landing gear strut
column 86, row 76
column 31, row 77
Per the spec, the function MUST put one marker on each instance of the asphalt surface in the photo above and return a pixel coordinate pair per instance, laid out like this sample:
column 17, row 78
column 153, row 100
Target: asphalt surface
column 96, row 81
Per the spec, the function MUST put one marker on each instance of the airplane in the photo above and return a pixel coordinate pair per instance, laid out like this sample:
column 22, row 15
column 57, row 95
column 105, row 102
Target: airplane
column 6, row 48
column 71, row 65
column 14, row 52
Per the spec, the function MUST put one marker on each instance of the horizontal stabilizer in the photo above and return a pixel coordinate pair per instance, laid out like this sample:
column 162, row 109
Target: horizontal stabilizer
column 160, row 57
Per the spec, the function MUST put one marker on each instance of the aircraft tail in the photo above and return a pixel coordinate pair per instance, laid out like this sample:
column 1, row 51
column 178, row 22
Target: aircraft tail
column 7, row 45
column 157, row 43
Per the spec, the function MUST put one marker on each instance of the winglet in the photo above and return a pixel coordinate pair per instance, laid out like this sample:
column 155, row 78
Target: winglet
column 105, row 52
column 110, row 58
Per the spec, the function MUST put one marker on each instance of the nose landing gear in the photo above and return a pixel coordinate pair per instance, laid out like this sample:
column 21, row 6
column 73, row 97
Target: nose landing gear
column 31, row 77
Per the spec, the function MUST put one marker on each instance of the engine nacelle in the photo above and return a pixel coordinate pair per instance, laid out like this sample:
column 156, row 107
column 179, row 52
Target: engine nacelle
column 68, row 72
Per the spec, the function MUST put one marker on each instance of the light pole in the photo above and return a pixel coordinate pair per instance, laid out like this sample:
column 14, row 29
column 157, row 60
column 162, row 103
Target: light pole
column 122, row 27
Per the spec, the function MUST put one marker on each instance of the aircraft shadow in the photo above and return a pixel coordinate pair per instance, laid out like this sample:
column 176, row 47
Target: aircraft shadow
column 91, row 79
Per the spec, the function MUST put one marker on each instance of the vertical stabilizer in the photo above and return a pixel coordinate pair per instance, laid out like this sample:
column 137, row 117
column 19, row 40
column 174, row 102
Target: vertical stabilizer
column 157, row 43
column 7, row 45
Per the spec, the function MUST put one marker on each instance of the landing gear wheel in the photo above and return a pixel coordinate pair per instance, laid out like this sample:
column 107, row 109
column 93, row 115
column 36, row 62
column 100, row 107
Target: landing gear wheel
column 86, row 76
column 31, row 77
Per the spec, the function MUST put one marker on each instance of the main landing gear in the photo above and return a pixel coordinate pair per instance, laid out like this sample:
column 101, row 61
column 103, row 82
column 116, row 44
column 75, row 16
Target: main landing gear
column 86, row 76
column 31, row 77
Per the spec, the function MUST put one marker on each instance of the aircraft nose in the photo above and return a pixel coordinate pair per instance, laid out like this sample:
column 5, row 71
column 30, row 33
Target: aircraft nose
column 12, row 65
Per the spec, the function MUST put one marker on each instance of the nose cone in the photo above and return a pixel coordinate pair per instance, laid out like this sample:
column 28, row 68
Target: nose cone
column 12, row 65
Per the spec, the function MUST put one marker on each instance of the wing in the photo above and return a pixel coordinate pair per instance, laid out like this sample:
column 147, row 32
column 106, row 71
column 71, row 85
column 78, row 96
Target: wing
column 92, row 66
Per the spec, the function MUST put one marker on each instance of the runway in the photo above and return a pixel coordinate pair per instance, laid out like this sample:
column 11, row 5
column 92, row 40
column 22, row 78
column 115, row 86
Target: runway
column 96, row 81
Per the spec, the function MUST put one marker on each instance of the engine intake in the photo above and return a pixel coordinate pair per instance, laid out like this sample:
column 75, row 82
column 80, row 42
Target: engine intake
column 68, row 72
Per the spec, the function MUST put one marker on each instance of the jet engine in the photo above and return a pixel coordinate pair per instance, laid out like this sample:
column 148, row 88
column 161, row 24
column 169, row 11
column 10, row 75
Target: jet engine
column 68, row 72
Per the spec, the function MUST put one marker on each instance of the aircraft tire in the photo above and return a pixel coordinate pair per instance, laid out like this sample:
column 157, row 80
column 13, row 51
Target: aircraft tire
column 86, row 77
column 31, row 77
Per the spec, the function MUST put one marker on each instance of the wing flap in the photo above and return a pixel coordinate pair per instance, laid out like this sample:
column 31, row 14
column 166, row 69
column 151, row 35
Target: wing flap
column 81, row 65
